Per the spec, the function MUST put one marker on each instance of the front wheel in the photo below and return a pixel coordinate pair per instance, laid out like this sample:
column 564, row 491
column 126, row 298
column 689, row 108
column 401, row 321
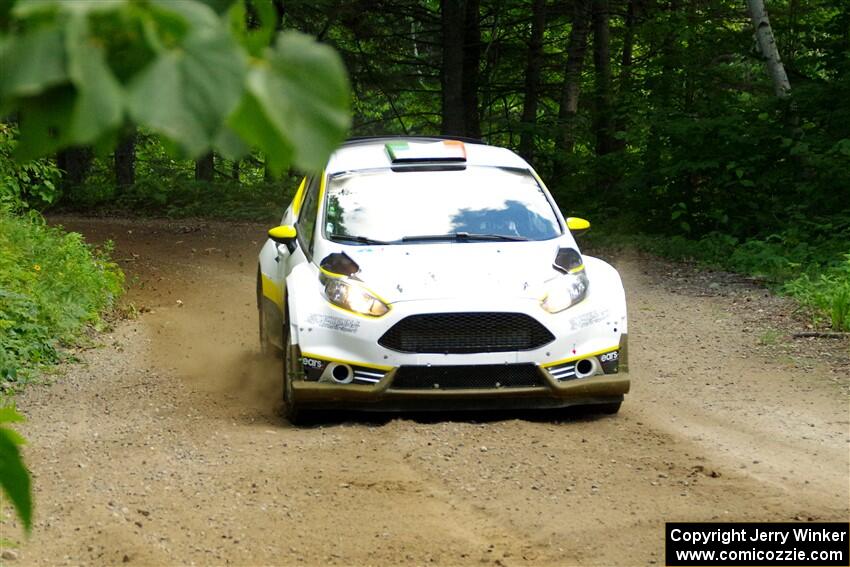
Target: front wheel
column 261, row 316
column 607, row 409
column 291, row 411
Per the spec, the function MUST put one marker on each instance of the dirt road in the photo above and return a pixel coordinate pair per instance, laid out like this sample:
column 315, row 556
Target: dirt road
column 163, row 446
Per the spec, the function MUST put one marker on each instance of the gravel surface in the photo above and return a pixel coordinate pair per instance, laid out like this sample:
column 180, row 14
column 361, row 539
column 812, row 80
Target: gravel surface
column 164, row 445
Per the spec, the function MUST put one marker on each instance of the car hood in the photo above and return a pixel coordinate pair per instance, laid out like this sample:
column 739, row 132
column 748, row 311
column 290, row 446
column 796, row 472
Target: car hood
column 456, row 269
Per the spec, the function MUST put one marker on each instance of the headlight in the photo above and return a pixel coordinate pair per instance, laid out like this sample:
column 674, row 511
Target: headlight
column 352, row 297
column 564, row 291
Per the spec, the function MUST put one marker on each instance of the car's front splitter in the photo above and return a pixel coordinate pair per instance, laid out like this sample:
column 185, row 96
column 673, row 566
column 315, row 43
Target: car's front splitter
column 605, row 388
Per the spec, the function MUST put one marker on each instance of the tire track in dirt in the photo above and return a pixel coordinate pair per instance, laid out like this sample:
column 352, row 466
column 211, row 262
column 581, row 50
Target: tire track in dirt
column 164, row 446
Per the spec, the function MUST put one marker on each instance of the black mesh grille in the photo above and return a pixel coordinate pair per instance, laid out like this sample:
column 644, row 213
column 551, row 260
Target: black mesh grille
column 466, row 333
column 455, row 377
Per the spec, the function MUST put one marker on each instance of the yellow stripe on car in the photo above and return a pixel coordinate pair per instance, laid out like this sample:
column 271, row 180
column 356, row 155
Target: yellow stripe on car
column 349, row 362
column 272, row 291
column 330, row 273
column 579, row 357
column 299, row 198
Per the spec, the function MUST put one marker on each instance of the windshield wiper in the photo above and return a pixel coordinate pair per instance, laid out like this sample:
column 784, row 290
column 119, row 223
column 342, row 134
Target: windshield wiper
column 354, row 238
column 463, row 236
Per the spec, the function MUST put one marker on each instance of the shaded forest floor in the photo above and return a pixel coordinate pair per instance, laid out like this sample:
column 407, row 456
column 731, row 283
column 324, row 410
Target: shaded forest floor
column 164, row 445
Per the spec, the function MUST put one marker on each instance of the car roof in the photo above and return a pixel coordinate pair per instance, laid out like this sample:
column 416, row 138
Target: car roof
column 370, row 153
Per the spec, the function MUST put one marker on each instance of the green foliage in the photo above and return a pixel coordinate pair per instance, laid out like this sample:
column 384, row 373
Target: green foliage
column 52, row 284
column 827, row 294
column 261, row 202
column 23, row 185
column 795, row 262
column 77, row 72
column 14, row 478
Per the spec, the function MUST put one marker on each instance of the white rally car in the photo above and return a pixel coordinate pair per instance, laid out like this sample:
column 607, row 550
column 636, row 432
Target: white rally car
column 425, row 273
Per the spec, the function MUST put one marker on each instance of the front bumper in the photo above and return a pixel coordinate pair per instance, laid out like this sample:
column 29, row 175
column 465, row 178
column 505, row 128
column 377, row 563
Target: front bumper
column 326, row 338
column 602, row 388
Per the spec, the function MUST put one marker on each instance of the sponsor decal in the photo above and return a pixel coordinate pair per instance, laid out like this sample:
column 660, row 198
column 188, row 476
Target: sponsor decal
column 333, row 323
column 312, row 362
column 609, row 356
column 313, row 368
column 610, row 362
column 588, row 319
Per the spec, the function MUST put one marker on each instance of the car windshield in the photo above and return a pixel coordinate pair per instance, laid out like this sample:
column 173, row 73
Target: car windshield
column 475, row 203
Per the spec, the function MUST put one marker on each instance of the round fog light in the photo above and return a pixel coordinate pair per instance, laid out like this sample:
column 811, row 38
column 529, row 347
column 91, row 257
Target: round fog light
column 341, row 373
column 585, row 367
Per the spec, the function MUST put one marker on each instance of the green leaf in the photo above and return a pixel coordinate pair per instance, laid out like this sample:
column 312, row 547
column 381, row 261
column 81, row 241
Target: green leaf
column 25, row 8
column 196, row 13
column 9, row 414
column 99, row 104
column 14, row 477
column 255, row 40
column 44, row 123
column 221, row 6
column 5, row 9
column 33, row 62
column 257, row 127
column 187, row 94
column 298, row 106
column 229, row 145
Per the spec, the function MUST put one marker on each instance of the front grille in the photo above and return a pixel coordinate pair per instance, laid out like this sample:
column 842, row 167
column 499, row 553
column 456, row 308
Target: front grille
column 458, row 377
column 459, row 333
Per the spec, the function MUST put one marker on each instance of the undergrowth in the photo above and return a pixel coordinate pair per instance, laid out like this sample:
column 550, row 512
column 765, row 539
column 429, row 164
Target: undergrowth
column 810, row 263
column 261, row 202
column 52, row 286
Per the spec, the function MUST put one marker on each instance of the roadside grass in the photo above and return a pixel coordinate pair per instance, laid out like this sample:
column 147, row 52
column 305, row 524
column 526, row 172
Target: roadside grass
column 53, row 287
column 261, row 202
column 812, row 267
column 769, row 337
column 827, row 293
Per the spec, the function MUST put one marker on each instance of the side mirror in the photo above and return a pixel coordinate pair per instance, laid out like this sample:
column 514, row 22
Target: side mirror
column 577, row 226
column 283, row 234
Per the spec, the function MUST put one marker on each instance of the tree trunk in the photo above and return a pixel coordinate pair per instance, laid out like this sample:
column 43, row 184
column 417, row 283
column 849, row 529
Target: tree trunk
column 576, row 51
column 451, row 75
column 767, row 45
column 662, row 88
column 75, row 163
column 125, row 161
column 625, row 83
column 205, row 168
column 532, row 79
column 602, row 122
column 471, row 62
column 234, row 171
column 279, row 12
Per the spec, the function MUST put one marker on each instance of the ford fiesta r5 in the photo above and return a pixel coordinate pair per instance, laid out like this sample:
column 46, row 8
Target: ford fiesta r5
column 421, row 273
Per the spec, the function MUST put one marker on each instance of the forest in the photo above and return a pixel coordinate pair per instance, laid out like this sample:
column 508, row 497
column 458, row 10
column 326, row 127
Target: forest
column 715, row 131
column 672, row 124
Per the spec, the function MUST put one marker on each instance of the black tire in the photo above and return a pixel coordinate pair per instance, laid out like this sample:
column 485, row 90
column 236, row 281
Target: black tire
column 265, row 347
column 291, row 412
column 607, row 409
